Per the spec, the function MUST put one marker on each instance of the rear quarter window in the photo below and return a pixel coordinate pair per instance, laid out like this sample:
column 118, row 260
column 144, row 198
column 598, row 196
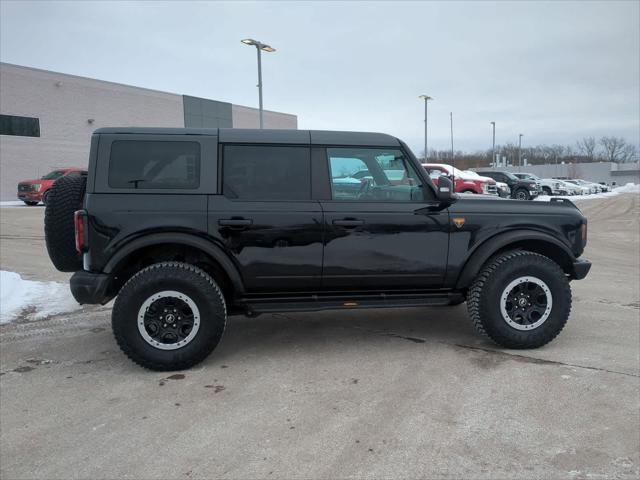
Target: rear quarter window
column 153, row 164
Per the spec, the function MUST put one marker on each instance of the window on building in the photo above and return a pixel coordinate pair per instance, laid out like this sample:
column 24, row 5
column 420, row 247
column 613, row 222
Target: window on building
column 20, row 126
column 267, row 172
column 154, row 164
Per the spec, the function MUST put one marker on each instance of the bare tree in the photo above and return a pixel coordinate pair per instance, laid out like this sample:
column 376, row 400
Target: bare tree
column 629, row 153
column 613, row 148
column 587, row 147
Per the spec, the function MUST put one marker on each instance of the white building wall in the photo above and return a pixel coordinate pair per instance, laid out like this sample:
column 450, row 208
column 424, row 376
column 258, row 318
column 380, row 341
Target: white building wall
column 64, row 104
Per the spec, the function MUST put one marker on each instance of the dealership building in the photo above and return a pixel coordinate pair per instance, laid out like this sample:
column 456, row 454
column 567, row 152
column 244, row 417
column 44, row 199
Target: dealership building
column 46, row 118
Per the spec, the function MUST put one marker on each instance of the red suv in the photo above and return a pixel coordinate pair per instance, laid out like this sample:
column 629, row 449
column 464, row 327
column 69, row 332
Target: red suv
column 463, row 182
column 32, row 192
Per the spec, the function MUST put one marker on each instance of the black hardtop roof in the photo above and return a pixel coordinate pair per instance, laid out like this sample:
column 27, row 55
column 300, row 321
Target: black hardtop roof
column 254, row 135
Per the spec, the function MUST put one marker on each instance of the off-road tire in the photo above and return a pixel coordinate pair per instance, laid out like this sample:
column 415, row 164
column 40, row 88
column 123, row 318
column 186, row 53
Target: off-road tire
column 526, row 195
column 64, row 198
column 176, row 276
column 483, row 299
column 45, row 197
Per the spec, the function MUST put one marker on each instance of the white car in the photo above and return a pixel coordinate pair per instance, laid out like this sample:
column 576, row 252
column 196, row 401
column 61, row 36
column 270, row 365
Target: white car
column 547, row 186
column 576, row 188
column 587, row 188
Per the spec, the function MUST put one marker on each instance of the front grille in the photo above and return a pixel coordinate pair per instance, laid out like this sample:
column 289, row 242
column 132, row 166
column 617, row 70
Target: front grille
column 492, row 189
column 25, row 187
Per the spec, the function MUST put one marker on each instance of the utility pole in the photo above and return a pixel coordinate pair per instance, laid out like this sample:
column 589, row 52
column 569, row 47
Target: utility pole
column 453, row 161
column 493, row 145
column 520, row 150
column 426, row 144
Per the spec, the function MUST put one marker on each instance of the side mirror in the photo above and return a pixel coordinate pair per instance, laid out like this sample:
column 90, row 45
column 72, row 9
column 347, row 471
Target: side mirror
column 445, row 189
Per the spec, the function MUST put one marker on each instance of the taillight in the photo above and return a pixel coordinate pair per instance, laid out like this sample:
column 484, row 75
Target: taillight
column 80, row 222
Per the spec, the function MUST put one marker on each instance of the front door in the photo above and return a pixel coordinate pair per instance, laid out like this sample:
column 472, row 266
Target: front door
column 379, row 233
column 265, row 217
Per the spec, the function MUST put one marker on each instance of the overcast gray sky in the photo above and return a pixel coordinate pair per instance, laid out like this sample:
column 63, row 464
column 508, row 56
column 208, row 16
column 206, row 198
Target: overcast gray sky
column 554, row 71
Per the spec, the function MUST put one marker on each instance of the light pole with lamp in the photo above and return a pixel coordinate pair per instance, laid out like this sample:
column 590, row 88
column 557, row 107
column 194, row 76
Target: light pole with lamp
column 426, row 145
column 260, row 47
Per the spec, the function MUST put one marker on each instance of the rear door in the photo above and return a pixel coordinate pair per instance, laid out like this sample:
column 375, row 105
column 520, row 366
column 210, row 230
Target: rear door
column 265, row 217
column 379, row 231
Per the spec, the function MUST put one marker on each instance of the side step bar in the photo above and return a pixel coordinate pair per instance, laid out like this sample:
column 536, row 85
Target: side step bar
column 310, row 303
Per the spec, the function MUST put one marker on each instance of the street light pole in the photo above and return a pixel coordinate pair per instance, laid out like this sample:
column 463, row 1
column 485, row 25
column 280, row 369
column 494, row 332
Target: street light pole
column 260, row 47
column 426, row 144
column 520, row 149
column 493, row 145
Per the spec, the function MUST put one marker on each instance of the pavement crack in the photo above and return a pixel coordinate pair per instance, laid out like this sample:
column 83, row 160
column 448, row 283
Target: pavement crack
column 510, row 356
column 540, row 361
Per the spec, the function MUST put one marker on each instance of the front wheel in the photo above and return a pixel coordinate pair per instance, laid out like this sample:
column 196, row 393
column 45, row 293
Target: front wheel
column 522, row 194
column 169, row 316
column 30, row 204
column 520, row 300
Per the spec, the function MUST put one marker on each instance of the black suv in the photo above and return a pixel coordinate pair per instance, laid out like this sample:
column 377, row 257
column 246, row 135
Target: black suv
column 185, row 226
column 521, row 189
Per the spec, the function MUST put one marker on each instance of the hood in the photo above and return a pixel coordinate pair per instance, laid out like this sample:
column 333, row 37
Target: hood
column 39, row 180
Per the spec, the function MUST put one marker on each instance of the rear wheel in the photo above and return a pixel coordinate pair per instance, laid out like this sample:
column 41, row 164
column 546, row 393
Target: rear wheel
column 520, row 300
column 169, row 316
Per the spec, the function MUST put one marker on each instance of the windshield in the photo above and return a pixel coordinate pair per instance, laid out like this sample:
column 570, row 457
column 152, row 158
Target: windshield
column 53, row 175
column 510, row 175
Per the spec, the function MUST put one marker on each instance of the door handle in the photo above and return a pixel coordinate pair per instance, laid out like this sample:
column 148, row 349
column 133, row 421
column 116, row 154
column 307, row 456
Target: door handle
column 237, row 223
column 348, row 223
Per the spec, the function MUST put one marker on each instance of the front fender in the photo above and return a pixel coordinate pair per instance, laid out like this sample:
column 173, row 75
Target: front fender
column 481, row 253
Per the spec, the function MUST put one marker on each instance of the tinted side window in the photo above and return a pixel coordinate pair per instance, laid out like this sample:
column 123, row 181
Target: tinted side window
column 266, row 172
column 21, row 126
column 154, row 164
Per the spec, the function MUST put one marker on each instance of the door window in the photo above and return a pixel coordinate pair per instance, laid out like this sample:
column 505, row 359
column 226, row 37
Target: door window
column 257, row 172
column 372, row 174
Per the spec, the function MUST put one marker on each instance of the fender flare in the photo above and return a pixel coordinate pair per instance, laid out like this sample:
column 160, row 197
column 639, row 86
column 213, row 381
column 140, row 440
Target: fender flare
column 206, row 246
column 477, row 257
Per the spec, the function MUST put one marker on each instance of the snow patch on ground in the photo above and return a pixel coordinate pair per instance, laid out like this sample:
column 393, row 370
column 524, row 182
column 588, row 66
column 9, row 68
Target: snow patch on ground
column 628, row 188
column 32, row 300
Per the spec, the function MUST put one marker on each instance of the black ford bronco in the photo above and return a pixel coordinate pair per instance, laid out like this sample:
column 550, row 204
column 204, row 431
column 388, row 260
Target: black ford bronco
column 186, row 226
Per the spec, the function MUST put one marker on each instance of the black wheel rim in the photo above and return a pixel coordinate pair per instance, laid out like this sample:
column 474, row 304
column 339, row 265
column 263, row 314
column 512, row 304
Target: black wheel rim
column 168, row 320
column 526, row 303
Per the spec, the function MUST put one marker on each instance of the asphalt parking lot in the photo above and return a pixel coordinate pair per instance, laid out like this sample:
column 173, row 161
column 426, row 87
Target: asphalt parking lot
column 387, row 393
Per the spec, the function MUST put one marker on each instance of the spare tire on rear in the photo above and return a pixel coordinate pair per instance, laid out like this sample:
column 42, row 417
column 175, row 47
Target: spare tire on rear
column 64, row 198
